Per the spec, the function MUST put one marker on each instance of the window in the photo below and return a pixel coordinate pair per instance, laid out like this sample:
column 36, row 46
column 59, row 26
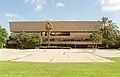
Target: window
column 60, row 34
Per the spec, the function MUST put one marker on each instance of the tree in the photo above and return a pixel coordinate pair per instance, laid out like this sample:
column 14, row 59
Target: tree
column 96, row 37
column 3, row 36
column 104, row 21
column 11, row 42
column 28, row 40
column 48, row 27
column 110, row 33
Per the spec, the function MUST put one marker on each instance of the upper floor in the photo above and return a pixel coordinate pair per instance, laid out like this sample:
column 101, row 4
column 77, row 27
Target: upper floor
column 36, row 26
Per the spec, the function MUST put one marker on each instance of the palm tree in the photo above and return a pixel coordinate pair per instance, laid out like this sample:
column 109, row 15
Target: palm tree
column 104, row 21
column 104, row 29
column 114, row 28
column 109, row 31
column 48, row 27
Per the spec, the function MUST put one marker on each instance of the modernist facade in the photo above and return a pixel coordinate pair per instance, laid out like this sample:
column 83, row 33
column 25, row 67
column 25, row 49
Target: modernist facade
column 64, row 33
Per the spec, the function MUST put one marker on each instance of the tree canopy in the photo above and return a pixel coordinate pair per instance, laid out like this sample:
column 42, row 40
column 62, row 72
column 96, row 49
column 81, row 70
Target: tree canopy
column 96, row 36
column 108, row 34
column 3, row 36
column 28, row 40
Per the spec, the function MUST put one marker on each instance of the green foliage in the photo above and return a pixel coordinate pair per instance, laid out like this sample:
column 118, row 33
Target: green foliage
column 11, row 42
column 3, row 36
column 96, row 36
column 104, row 20
column 28, row 40
column 108, row 35
column 27, row 69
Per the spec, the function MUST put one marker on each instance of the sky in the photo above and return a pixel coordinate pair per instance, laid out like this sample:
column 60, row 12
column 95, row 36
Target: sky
column 58, row 10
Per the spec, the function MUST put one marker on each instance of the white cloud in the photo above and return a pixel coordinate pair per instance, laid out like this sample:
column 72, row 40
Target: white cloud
column 14, row 15
column 110, row 5
column 11, row 15
column 38, row 3
column 60, row 5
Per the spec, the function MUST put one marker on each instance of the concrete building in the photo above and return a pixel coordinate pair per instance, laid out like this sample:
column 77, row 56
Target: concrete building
column 64, row 33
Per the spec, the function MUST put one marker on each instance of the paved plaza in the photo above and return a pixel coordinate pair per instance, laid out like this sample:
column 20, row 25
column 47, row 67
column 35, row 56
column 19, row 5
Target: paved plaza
column 58, row 55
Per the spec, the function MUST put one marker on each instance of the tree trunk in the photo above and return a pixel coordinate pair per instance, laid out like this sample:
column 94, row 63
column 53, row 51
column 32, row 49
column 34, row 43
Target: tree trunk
column 22, row 47
column 1, row 45
column 96, row 47
column 93, row 47
column 106, row 45
column 48, row 38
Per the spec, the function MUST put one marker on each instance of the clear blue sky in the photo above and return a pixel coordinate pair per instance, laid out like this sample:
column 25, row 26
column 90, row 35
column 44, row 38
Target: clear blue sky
column 20, row 10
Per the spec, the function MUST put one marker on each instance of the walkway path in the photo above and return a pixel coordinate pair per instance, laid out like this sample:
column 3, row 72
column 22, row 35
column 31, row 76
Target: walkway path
column 57, row 55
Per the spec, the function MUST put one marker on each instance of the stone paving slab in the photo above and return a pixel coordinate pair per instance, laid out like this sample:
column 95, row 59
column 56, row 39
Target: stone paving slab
column 72, row 58
column 5, row 56
column 36, row 58
column 86, row 57
column 41, row 56
column 108, row 53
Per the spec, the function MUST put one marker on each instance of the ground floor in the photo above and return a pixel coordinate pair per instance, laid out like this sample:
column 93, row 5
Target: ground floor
column 68, row 44
column 64, row 39
column 73, row 44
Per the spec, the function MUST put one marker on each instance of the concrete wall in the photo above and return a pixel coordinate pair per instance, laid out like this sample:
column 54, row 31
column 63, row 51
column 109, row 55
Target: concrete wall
column 57, row 26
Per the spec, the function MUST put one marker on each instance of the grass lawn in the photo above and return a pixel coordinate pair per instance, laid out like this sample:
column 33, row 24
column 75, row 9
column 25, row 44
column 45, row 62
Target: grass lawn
column 14, row 69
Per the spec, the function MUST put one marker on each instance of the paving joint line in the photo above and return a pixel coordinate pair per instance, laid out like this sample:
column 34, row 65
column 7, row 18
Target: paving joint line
column 21, row 57
column 98, row 55
column 63, row 53
column 51, row 60
column 92, row 59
